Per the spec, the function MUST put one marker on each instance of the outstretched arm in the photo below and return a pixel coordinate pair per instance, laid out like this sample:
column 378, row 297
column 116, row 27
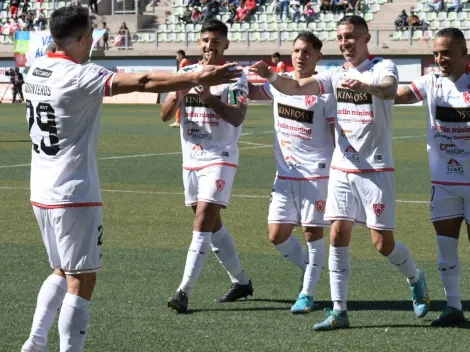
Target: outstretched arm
column 385, row 90
column 406, row 96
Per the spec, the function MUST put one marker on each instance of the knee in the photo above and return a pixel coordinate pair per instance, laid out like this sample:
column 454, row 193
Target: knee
column 340, row 235
column 276, row 237
column 313, row 234
column 383, row 245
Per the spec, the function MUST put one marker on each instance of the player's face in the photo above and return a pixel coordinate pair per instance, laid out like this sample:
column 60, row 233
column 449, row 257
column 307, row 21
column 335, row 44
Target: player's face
column 449, row 55
column 86, row 42
column 304, row 57
column 275, row 60
column 352, row 42
column 213, row 44
column 178, row 57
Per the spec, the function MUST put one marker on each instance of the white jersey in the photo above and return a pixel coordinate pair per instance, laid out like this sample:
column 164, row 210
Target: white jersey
column 363, row 123
column 303, row 144
column 448, row 126
column 63, row 108
column 206, row 139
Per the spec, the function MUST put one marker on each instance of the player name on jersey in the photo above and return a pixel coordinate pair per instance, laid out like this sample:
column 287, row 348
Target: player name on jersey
column 37, row 89
column 296, row 114
column 452, row 114
column 348, row 96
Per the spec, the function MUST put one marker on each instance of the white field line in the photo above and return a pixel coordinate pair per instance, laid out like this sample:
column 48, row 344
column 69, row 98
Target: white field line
column 6, row 188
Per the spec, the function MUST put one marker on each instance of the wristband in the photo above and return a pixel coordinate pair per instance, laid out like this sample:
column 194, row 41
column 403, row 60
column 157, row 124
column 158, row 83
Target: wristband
column 272, row 78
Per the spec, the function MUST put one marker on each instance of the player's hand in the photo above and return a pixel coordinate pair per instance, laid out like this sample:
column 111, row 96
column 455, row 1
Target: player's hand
column 203, row 91
column 353, row 84
column 212, row 75
column 182, row 93
column 262, row 69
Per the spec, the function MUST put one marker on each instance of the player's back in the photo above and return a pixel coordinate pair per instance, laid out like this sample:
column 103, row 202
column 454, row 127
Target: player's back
column 63, row 111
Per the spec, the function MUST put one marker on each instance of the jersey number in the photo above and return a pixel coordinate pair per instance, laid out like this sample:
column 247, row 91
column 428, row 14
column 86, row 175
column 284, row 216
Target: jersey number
column 49, row 127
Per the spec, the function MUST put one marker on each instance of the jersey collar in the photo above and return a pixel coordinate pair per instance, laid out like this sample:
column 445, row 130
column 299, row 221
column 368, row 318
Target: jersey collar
column 59, row 56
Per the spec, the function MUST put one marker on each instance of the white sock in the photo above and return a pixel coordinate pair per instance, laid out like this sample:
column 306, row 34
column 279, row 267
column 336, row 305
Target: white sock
column 316, row 252
column 197, row 255
column 339, row 264
column 49, row 300
column 73, row 323
column 449, row 269
column 401, row 258
column 224, row 249
column 292, row 250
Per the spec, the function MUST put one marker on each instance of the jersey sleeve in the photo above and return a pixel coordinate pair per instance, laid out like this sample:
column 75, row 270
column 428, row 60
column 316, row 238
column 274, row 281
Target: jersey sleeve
column 330, row 108
column 388, row 69
column 324, row 79
column 95, row 80
column 420, row 86
column 266, row 90
column 238, row 91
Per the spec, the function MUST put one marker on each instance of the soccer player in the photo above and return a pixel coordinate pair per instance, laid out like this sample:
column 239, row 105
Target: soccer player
column 448, row 99
column 63, row 107
column 280, row 65
column 211, row 126
column 362, row 184
column 182, row 62
column 304, row 134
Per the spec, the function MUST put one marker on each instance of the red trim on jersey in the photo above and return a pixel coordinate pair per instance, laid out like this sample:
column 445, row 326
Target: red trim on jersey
column 467, row 69
column 107, row 86
column 331, row 119
column 358, row 171
column 303, row 178
column 339, row 217
column 60, row 56
column 67, row 205
column 209, row 165
column 265, row 93
column 444, row 183
column 371, row 57
column 416, row 91
column 322, row 90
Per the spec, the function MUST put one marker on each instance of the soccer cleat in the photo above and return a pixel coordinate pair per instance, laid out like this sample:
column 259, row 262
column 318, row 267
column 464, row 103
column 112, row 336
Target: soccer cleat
column 179, row 302
column 449, row 317
column 419, row 295
column 30, row 346
column 304, row 304
column 175, row 124
column 236, row 291
column 335, row 319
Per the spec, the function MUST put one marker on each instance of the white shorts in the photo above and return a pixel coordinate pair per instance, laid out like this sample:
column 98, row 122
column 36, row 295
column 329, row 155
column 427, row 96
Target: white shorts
column 212, row 184
column 73, row 237
column 366, row 198
column 449, row 202
column 298, row 202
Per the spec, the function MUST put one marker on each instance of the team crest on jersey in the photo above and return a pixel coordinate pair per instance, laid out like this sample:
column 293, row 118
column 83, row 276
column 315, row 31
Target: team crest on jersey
column 466, row 97
column 378, row 208
column 310, row 100
column 220, row 185
column 320, row 205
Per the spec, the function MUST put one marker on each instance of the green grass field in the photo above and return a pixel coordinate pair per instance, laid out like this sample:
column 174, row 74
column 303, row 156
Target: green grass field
column 148, row 230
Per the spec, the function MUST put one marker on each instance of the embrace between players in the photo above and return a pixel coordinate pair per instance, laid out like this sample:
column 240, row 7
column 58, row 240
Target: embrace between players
column 319, row 181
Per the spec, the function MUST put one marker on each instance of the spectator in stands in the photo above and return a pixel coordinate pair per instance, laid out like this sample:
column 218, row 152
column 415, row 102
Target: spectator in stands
column 250, row 5
column 295, row 5
column 232, row 14
column 242, row 13
column 284, row 7
column 123, row 31
column 353, row 6
column 280, row 66
column 435, row 5
column 309, row 14
column 196, row 15
column 93, row 6
column 401, row 20
column 325, row 6
column 41, row 20
column 105, row 37
column 211, row 9
column 456, row 6
column 342, row 6
column 14, row 4
column 25, row 6
column 29, row 21
column 413, row 20
column 186, row 17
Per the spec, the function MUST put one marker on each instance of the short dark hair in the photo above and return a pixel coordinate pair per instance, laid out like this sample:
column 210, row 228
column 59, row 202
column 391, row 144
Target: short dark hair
column 452, row 33
column 69, row 22
column 354, row 20
column 181, row 52
column 309, row 37
column 214, row 25
column 276, row 54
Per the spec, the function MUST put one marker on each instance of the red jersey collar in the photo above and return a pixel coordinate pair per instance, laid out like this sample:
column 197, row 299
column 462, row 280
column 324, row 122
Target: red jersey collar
column 59, row 56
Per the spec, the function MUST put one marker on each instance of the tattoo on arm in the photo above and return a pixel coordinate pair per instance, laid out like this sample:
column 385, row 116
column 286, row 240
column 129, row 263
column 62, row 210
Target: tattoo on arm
column 386, row 90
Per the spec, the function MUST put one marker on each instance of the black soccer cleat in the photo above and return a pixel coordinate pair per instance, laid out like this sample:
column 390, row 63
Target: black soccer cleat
column 179, row 302
column 236, row 291
column 450, row 317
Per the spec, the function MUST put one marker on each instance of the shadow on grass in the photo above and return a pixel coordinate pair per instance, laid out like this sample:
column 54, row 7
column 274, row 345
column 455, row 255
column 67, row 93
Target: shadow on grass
column 17, row 141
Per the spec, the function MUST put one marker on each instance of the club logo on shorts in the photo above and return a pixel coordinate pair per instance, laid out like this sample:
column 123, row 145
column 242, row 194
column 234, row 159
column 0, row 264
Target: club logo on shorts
column 378, row 208
column 466, row 97
column 310, row 100
column 220, row 185
column 320, row 205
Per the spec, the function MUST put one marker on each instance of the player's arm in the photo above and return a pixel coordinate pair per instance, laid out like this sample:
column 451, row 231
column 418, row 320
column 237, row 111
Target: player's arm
column 234, row 112
column 332, row 131
column 286, row 85
column 160, row 82
column 385, row 90
column 171, row 104
column 406, row 96
column 255, row 93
